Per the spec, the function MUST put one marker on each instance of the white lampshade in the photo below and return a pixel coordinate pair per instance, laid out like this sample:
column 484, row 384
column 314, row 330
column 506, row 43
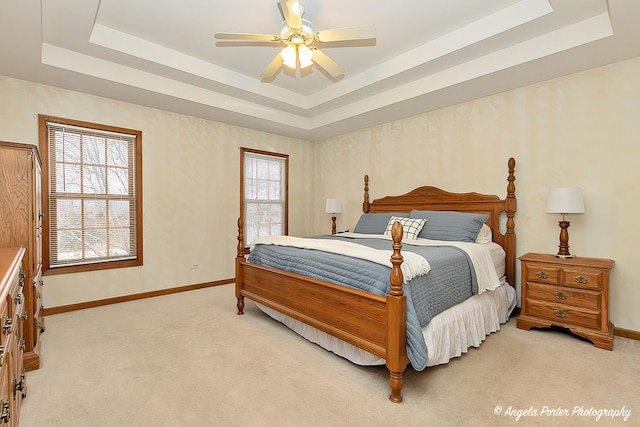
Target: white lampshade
column 289, row 56
column 333, row 206
column 565, row 200
column 304, row 55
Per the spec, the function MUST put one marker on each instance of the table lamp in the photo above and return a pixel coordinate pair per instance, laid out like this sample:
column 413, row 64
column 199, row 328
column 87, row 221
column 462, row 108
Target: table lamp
column 333, row 207
column 564, row 201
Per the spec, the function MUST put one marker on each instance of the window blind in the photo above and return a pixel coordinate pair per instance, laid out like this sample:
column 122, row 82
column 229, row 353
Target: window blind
column 92, row 195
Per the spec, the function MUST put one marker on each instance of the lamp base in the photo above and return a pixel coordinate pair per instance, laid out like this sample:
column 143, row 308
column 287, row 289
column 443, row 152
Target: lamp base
column 563, row 248
column 563, row 256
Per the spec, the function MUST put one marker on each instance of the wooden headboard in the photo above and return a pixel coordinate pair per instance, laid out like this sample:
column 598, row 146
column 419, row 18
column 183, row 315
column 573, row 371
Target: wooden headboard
column 435, row 199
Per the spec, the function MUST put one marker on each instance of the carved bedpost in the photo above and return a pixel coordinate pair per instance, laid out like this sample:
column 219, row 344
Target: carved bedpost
column 240, row 238
column 240, row 257
column 396, row 320
column 396, row 260
column 510, row 235
column 365, row 204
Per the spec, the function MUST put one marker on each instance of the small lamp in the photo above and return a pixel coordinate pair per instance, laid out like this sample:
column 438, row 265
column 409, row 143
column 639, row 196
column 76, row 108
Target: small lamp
column 565, row 200
column 333, row 207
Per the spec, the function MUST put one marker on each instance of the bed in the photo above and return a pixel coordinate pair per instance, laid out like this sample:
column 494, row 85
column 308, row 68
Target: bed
column 353, row 322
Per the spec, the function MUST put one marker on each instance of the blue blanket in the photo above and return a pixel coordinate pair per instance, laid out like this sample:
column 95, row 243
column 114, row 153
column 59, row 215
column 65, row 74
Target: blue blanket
column 451, row 280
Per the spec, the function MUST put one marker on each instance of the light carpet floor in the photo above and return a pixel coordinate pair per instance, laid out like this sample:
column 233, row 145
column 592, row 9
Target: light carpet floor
column 187, row 359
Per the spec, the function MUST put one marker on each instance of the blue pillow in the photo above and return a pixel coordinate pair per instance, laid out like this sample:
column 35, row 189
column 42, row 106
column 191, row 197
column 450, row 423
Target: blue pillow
column 449, row 225
column 370, row 223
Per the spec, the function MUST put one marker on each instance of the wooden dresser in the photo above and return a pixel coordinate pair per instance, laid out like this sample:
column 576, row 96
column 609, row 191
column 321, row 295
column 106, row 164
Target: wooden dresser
column 572, row 293
column 21, row 226
column 12, row 313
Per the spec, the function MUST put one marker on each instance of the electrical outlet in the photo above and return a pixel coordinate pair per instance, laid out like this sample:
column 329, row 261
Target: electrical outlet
column 195, row 266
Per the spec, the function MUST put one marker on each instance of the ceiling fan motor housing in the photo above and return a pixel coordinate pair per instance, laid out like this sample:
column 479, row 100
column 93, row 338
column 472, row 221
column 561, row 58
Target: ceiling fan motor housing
column 304, row 36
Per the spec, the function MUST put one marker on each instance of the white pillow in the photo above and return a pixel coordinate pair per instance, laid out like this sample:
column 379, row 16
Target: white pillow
column 484, row 235
column 411, row 227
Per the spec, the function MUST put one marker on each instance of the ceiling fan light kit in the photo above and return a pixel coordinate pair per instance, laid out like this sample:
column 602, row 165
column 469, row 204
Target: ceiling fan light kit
column 298, row 36
column 297, row 52
column 293, row 55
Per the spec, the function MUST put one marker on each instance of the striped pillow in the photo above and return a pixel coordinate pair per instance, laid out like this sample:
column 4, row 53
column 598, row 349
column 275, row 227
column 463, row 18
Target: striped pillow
column 411, row 227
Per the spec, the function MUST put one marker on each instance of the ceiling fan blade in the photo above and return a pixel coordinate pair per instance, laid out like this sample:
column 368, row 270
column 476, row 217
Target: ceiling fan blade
column 282, row 5
column 292, row 13
column 326, row 63
column 343, row 34
column 272, row 68
column 244, row 36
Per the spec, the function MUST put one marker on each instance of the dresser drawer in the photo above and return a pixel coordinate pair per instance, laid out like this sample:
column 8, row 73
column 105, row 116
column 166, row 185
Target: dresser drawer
column 564, row 314
column 583, row 278
column 543, row 274
column 565, row 296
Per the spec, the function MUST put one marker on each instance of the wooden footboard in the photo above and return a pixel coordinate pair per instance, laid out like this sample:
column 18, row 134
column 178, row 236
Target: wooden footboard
column 374, row 323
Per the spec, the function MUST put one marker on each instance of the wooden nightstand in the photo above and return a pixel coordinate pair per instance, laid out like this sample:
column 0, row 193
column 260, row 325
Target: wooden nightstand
column 572, row 293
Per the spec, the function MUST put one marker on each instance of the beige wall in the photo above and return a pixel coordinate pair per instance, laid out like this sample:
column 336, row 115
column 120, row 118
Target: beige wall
column 579, row 130
column 190, row 188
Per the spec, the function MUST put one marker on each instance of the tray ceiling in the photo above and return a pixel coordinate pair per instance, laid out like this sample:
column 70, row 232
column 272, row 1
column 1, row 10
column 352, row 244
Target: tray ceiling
column 428, row 54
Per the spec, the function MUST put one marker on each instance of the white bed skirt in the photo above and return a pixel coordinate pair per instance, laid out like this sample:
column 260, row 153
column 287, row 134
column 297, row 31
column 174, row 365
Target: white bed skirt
column 448, row 335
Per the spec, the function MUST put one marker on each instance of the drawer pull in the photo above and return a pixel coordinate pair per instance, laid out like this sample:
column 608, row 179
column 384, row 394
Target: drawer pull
column 19, row 385
column 581, row 279
column 18, row 299
column 542, row 275
column 560, row 295
column 560, row 313
column 1, row 355
column 23, row 316
column 5, row 416
column 6, row 326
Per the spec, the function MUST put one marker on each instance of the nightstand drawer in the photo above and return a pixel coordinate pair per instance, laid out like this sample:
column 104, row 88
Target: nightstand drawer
column 565, row 296
column 543, row 274
column 582, row 278
column 564, row 314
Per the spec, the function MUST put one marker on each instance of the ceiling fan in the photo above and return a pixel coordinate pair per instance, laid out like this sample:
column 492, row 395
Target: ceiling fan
column 300, row 40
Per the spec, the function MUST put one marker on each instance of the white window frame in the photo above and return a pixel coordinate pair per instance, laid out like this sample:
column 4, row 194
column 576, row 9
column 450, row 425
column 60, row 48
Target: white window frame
column 250, row 198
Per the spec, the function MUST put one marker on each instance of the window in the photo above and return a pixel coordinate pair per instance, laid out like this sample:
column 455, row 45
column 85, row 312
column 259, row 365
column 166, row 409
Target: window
column 264, row 193
column 92, row 195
